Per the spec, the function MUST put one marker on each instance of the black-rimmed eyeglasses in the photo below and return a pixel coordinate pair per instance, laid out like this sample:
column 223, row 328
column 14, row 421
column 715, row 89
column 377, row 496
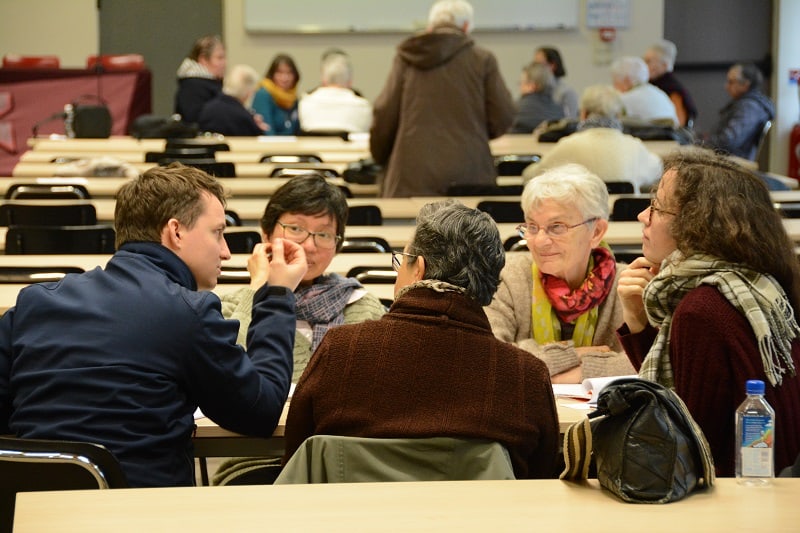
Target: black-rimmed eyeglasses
column 299, row 234
column 553, row 230
column 397, row 259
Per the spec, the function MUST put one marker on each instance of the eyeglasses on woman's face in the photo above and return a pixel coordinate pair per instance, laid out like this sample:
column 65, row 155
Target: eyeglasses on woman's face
column 528, row 231
column 299, row 234
column 397, row 259
column 654, row 208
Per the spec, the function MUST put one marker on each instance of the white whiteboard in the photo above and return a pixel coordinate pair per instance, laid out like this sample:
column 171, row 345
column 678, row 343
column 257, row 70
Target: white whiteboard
column 345, row 16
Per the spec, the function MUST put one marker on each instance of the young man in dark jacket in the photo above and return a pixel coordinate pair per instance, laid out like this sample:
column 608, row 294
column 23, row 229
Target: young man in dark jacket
column 123, row 356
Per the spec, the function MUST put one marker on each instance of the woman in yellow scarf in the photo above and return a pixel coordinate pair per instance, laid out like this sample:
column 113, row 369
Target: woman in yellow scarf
column 276, row 99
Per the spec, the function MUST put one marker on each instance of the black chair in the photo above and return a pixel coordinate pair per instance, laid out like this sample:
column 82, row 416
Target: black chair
column 502, row 211
column 620, row 187
column 762, row 139
column 179, row 154
column 66, row 214
column 33, row 274
column 242, row 242
column 342, row 134
column 32, row 465
column 626, row 254
column 210, row 146
column 237, row 275
column 513, row 165
column 97, row 239
column 346, row 191
column 476, row 189
column 232, row 218
column 291, row 158
column 515, row 243
column 373, row 274
column 364, row 215
column 365, row 245
column 38, row 191
column 628, row 208
column 788, row 209
column 218, row 169
column 290, row 172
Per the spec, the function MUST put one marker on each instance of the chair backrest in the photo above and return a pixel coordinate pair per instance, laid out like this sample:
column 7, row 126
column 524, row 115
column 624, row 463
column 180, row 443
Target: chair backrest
column 291, row 158
column 195, row 142
column 218, row 169
column 98, row 239
column 620, row 187
column 30, row 465
column 116, row 62
column 373, row 274
column 35, row 274
column 364, row 215
column 628, row 208
column 66, row 214
column 515, row 243
column 179, row 154
column 478, row 189
column 513, row 165
column 502, row 210
column 336, row 459
column 237, row 275
column 242, row 242
column 365, row 245
column 290, row 172
column 18, row 61
column 788, row 209
column 232, row 218
column 762, row 139
column 39, row 191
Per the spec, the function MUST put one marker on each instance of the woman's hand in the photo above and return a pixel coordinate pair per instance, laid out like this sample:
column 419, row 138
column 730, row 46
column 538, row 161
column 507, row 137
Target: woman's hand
column 630, row 288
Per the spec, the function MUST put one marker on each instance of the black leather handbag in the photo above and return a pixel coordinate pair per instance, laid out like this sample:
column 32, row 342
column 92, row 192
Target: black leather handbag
column 644, row 443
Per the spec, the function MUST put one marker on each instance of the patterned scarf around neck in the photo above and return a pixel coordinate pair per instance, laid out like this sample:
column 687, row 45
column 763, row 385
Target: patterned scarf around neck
column 757, row 296
column 322, row 304
column 555, row 302
column 433, row 284
column 285, row 99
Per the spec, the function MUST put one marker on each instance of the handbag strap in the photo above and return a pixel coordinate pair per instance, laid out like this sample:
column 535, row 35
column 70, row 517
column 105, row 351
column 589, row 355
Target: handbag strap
column 577, row 450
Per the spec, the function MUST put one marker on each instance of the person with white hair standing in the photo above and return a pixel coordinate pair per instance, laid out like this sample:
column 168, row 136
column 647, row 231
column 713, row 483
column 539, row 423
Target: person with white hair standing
column 444, row 99
column 643, row 101
column 228, row 113
column 334, row 107
column 660, row 59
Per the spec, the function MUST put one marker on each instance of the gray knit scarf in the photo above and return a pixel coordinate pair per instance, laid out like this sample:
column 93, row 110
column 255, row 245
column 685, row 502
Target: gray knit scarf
column 757, row 296
column 322, row 304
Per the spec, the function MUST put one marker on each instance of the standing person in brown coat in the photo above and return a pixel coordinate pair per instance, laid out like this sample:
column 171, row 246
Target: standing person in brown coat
column 443, row 101
column 431, row 366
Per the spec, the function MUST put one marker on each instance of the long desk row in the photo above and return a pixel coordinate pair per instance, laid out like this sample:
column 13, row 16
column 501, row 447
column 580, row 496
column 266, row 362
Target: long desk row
column 521, row 505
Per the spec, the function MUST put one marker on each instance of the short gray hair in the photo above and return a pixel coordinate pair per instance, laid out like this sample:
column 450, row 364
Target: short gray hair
column 337, row 70
column 601, row 101
column 461, row 246
column 541, row 75
column 241, row 82
column 456, row 12
column 568, row 185
column 667, row 51
column 632, row 68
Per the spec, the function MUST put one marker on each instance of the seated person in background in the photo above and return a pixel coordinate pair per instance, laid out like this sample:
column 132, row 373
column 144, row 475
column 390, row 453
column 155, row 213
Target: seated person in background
column 276, row 99
column 600, row 146
column 123, row 356
column 431, row 366
column 228, row 112
column 713, row 301
column 742, row 119
column 660, row 59
column 536, row 104
column 642, row 100
column 563, row 94
column 559, row 301
column 312, row 212
column 334, row 106
column 200, row 77
column 328, row 54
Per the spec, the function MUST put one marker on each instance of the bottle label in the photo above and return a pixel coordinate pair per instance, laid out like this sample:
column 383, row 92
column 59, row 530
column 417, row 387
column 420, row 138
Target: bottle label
column 756, row 446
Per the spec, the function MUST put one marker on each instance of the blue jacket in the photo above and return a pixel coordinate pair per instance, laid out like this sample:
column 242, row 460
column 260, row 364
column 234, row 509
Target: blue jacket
column 124, row 356
column 226, row 115
column 740, row 124
column 281, row 121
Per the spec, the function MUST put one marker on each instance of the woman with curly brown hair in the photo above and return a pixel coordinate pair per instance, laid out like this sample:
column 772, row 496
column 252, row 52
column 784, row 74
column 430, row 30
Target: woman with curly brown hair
column 712, row 302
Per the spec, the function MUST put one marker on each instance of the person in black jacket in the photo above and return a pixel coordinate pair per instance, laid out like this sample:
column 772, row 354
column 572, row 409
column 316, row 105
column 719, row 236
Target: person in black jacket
column 228, row 113
column 200, row 77
column 123, row 356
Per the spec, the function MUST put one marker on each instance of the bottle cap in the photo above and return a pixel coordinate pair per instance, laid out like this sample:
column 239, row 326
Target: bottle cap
column 754, row 386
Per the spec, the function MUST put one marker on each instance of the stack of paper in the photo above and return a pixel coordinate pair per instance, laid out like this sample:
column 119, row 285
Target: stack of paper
column 589, row 389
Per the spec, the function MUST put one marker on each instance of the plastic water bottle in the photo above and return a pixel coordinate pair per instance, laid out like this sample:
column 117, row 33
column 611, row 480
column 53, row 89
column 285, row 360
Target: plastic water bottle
column 69, row 119
column 755, row 437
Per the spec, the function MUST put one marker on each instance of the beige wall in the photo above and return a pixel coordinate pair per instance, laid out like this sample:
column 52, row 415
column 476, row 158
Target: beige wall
column 372, row 54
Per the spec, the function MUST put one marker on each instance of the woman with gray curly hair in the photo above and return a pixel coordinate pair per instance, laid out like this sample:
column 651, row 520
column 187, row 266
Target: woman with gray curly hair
column 431, row 366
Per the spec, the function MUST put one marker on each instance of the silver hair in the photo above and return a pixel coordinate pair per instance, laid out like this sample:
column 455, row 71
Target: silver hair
column 337, row 70
column 241, row 82
column 568, row 185
column 541, row 75
column 601, row 101
column 461, row 246
column 667, row 51
column 632, row 68
column 456, row 12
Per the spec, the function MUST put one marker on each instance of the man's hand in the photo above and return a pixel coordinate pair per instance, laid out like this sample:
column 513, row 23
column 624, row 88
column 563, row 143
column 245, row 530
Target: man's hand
column 288, row 264
column 258, row 266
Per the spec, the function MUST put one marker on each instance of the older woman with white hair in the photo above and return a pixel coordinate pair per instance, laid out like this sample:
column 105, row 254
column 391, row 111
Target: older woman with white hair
column 559, row 302
column 228, row 113
column 642, row 100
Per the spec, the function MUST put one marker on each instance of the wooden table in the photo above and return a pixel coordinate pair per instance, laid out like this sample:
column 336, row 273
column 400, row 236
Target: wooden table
column 522, row 505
